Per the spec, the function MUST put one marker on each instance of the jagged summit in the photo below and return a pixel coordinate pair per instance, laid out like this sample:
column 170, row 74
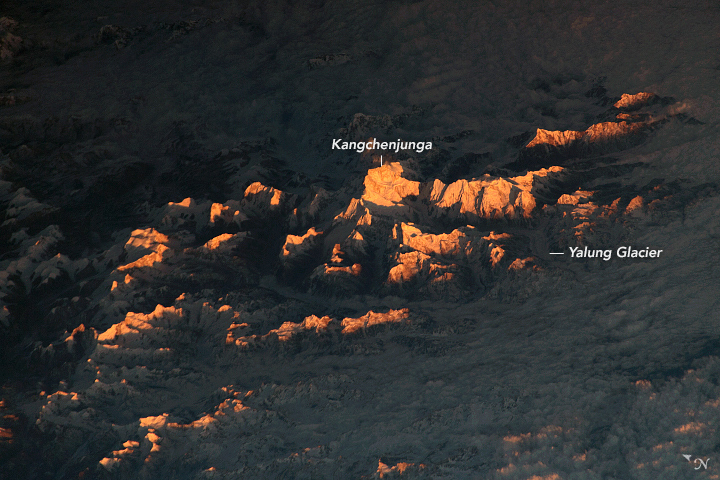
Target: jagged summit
column 386, row 186
column 632, row 102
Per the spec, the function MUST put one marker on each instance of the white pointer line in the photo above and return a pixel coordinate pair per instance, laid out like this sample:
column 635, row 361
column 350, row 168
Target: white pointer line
column 557, row 253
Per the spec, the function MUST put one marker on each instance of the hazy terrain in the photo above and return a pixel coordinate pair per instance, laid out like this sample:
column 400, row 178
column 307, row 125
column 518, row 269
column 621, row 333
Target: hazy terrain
column 194, row 284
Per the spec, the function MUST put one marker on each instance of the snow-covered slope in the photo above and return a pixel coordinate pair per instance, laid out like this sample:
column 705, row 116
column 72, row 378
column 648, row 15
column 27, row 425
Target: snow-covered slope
column 194, row 284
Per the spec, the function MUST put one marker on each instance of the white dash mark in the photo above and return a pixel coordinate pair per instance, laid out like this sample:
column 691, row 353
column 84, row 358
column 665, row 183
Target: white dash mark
column 557, row 253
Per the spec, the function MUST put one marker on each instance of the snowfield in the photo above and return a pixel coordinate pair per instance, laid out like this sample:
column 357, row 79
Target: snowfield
column 195, row 285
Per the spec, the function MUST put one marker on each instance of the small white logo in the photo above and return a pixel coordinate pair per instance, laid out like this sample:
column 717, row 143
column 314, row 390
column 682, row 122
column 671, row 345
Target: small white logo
column 698, row 462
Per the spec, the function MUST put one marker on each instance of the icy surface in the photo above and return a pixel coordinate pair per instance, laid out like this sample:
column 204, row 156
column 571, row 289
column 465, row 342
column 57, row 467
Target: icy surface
column 194, row 285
